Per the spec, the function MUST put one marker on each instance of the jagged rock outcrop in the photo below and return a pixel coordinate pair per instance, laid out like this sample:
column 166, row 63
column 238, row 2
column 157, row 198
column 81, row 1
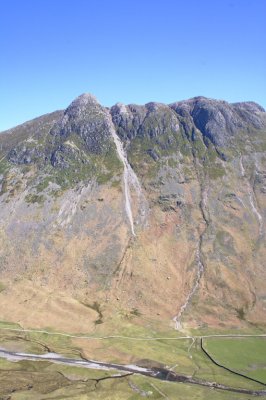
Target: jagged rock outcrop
column 24, row 154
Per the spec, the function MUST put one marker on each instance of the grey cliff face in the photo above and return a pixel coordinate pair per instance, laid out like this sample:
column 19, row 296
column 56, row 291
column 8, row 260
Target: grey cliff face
column 219, row 120
column 151, row 121
column 128, row 119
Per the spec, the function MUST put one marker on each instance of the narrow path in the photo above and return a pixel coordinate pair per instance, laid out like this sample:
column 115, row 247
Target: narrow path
column 137, row 338
column 159, row 391
column 190, row 347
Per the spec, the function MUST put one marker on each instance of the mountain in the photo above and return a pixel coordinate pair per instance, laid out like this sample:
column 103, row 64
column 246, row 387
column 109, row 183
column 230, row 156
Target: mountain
column 155, row 210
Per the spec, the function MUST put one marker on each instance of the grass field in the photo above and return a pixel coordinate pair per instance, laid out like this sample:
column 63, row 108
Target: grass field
column 244, row 355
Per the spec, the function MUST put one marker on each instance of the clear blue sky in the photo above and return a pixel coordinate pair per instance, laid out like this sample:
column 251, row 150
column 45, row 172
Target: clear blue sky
column 128, row 51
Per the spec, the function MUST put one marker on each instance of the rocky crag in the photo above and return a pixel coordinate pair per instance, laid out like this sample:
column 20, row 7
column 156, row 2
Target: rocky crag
column 158, row 209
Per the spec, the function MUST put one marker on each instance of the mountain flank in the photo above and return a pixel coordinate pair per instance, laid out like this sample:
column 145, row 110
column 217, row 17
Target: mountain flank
column 148, row 210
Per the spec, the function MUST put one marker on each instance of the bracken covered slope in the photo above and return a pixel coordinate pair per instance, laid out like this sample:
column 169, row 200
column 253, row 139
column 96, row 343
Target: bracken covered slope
column 193, row 176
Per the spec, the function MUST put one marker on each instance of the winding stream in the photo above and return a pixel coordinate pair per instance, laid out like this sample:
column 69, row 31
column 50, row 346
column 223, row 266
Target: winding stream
column 154, row 372
column 59, row 359
column 198, row 262
column 200, row 270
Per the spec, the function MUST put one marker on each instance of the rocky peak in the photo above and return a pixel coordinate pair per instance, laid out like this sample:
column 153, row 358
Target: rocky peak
column 86, row 120
column 154, row 106
column 120, row 108
column 81, row 104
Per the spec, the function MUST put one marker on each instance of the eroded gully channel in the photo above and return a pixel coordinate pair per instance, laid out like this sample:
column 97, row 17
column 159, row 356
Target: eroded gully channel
column 200, row 267
column 206, row 218
column 153, row 372
column 129, row 177
column 252, row 196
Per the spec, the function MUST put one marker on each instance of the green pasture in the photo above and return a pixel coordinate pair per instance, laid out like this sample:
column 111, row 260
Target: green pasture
column 244, row 355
